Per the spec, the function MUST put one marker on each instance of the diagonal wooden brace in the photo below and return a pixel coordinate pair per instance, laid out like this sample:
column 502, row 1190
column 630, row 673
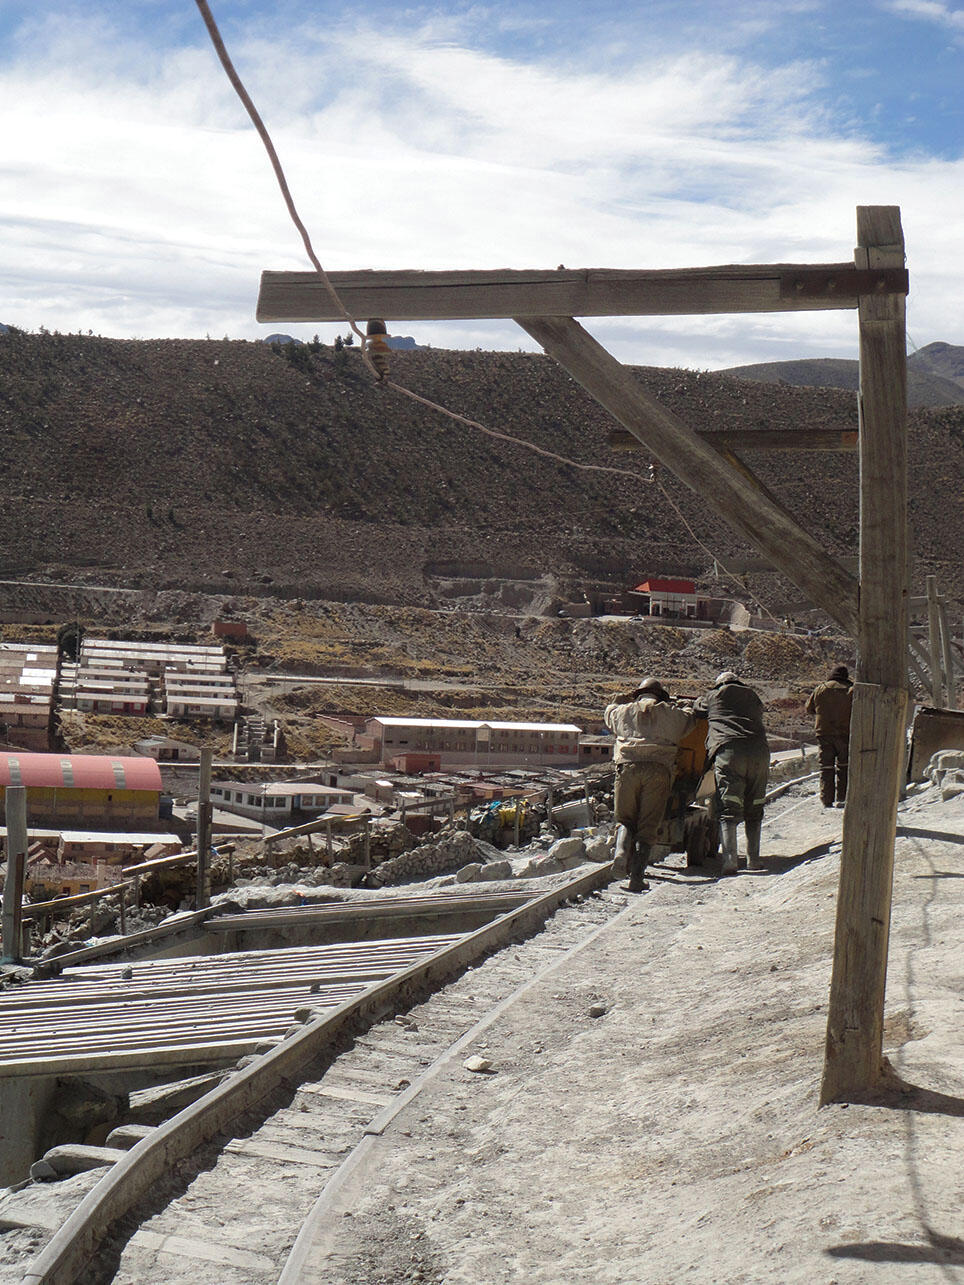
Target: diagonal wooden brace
column 734, row 493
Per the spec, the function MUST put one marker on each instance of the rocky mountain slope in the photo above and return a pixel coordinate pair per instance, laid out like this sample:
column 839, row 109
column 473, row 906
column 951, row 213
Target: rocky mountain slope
column 935, row 374
column 231, row 467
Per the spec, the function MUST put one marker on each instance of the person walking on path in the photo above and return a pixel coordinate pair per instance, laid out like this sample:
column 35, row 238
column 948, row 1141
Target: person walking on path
column 648, row 728
column 736, row 745
column 830, row 704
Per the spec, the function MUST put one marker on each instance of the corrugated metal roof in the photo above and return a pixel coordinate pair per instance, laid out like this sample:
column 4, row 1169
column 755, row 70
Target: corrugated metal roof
column 80, row 771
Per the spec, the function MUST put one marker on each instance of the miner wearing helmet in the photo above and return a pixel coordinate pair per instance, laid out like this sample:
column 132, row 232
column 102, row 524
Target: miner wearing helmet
column 648, row 728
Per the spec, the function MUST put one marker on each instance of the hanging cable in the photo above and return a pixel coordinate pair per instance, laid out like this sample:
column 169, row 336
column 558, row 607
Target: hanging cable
column 706, row 549
column 378, row 367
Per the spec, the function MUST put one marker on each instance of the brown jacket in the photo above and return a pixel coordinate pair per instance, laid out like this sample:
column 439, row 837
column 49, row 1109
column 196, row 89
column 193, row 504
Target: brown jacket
column 647, row 730
column 830, row 705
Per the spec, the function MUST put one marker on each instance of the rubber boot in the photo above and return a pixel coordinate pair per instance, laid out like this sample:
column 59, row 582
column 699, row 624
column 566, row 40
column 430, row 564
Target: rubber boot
column 729, row 841
column 625, row 846
column 637, row 868
column 841, row 785
column 753, row 861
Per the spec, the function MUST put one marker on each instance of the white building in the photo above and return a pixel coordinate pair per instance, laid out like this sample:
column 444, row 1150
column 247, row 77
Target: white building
column 277, row 802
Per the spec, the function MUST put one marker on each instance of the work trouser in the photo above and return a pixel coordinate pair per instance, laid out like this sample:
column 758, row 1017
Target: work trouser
column 833, row 768
column 741, row 780
column 639, row 799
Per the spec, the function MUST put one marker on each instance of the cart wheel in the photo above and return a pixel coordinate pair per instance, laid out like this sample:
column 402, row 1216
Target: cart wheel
column 702, row 839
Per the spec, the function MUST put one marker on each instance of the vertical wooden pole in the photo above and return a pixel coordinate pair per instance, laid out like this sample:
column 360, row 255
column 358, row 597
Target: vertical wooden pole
column 16, row 817
column 854, row 1051
column 950, row 672
column 203, row 897
column 934, row 643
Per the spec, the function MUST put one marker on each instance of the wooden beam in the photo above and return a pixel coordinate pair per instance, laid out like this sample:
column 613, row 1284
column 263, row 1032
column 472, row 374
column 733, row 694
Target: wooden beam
column 15, row 805
column 567, row 292
column 934, row 643
column 743, row 503
column 950, row 675
column 853, row 1064
column 756, row 439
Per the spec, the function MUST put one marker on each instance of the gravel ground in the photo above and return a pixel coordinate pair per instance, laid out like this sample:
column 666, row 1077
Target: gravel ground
column 677, row 1136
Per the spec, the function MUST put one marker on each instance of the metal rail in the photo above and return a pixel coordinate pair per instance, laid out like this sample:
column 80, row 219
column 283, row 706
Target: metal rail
column 148, row 1161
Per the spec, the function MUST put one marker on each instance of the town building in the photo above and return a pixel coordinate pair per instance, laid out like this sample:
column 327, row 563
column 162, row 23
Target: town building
column 659, row 597
column 473, row 742
column 27, row 674
column 138, row 678
column 85, row 790
column 278, row 803
column 102, row 690
column 165, row 749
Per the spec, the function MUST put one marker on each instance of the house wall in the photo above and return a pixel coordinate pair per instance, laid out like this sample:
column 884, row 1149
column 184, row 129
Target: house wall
column 91, row 809
column 483, row 746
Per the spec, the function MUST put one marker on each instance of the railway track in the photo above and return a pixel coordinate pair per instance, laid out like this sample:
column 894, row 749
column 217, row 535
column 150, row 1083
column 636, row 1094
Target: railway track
column 235, row 1187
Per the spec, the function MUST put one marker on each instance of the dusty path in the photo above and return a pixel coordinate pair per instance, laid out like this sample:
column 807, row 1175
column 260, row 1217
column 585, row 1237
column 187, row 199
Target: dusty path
column 677, row 1137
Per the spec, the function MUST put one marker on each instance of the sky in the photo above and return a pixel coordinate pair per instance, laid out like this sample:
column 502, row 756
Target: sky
column 137, row 201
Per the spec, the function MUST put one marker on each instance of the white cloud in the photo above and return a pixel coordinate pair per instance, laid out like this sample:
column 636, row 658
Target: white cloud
column 930, row 11
column 137, row 199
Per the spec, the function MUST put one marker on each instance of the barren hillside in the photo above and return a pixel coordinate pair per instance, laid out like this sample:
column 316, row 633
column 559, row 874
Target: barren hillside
column 227, row 466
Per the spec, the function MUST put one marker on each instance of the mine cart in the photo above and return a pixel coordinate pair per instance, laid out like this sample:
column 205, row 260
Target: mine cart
column 691, row 821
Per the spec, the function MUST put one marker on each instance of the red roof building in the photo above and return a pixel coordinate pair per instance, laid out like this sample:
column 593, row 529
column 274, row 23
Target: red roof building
column 676, row 587
column 85, row 790
column 668, row 597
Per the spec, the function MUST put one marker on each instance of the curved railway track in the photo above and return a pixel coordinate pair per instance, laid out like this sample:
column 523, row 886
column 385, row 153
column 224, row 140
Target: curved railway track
column 235, row 1187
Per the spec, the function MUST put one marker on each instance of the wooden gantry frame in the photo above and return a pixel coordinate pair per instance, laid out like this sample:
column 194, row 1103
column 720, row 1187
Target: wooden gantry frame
column 872, row 607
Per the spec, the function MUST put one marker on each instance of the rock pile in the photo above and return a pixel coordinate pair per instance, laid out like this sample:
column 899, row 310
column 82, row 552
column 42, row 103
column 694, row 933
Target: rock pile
column 447, row 854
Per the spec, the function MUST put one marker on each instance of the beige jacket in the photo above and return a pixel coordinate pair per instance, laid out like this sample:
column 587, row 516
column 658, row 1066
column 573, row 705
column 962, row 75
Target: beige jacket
column 646, row 730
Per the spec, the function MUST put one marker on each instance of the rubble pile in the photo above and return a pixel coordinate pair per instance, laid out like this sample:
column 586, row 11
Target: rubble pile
column 449, row 853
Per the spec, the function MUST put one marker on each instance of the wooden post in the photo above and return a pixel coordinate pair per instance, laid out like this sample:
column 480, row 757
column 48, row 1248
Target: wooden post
column 16, row 816
column 123, row 911
column 368, row 843
column 853, row 1062
column 934, row 643
column 733, row 493
column 950, row 674
column 328, row 843
column 203, row 896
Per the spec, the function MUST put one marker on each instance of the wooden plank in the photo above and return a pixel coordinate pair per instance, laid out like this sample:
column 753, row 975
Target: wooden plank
column 15, row 804
column 743, row 503
column 564, row 292
column 755, row 439
column 853, row 1062
column 934, row 644
column 950, row 668
column 346, row 1094
column 198, row 1251
column 282, row 1152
